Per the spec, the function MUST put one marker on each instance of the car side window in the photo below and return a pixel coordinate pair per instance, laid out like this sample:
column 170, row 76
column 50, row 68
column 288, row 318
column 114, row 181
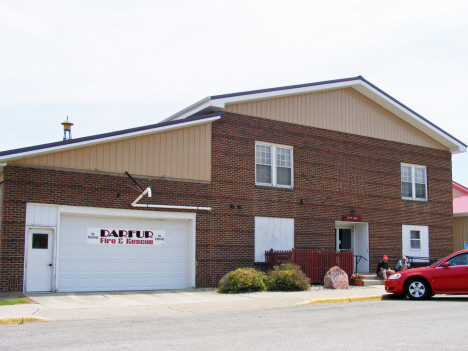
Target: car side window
column 460, row 260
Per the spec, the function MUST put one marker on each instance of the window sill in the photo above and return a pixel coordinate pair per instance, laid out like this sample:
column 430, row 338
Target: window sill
column 271, row 187
column 416, row 200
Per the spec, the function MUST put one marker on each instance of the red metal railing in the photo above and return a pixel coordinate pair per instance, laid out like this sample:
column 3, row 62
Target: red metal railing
column 313, row 263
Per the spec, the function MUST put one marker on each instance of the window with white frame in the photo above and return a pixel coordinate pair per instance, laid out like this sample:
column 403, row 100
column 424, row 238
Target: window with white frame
column 273, row 165
column 415, row 242
column 413, row 182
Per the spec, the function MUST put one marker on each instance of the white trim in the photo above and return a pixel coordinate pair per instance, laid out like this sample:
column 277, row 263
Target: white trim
column 148, row 191
column 274, row 166
column 357, row 84
column 2, row 166
column 188, row 111
column 409, row 117
column 119, row 213
column 106, row 139
column 221, row 103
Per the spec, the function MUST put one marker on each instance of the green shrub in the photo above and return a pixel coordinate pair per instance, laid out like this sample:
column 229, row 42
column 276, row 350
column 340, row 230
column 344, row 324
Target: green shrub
column 287, row 277
column 242, row 280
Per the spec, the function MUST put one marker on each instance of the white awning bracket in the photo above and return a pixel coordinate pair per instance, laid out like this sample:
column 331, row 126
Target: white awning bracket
column 148, row 191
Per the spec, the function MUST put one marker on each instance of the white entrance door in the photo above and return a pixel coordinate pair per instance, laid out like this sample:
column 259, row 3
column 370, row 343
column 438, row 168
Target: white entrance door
column 354, row 237
column 361, row 247
column 39, row 260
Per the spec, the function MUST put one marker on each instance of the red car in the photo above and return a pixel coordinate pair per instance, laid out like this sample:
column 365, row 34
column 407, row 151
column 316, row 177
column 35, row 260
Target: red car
column 447, row 276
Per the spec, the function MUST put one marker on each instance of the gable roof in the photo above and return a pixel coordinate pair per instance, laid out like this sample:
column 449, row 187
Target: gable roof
column 460, row 187
column 105, row 137
column 218, row 102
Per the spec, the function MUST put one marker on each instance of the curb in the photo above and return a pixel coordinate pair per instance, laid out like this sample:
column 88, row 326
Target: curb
column 341, row 299
column 21, row 320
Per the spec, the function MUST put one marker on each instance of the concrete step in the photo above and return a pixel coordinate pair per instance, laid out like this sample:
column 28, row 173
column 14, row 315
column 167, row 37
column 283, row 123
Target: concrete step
column 370, row 282
column 372, row 279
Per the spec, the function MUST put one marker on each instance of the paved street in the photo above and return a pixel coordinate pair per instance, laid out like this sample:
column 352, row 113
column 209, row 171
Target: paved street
column 437, row 324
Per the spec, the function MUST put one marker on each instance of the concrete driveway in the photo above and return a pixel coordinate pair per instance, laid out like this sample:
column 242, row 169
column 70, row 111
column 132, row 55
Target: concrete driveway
column 77, row 306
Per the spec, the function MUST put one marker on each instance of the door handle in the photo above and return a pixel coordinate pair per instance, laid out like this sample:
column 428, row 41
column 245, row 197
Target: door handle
column 50, row 264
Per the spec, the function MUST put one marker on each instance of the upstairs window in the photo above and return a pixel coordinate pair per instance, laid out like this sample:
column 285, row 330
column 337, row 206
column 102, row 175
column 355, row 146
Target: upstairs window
column 413, row 182
column 273, row 165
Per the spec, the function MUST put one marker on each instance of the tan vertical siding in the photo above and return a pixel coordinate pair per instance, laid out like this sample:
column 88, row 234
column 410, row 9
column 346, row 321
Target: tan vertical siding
column 1, row 177
column 182, row 153
column 460, row 232
column 343, row 110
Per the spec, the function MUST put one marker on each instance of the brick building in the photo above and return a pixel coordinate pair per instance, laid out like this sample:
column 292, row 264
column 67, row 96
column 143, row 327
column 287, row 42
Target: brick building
column 333, row 165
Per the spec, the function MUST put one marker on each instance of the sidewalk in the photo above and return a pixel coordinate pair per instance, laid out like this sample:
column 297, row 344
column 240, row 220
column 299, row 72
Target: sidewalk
column 98, row 305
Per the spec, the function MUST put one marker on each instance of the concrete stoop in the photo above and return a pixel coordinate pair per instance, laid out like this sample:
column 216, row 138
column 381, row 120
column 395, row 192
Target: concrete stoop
column 372, row 279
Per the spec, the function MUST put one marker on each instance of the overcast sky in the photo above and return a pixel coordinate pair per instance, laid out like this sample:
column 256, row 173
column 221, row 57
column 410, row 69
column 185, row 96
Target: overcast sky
column 112, row 65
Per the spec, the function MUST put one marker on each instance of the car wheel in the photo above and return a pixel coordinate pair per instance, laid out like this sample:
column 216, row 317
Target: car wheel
column 418, row 289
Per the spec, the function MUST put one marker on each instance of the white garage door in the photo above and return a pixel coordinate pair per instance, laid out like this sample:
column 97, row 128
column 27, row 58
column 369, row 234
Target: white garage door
column 83, row 266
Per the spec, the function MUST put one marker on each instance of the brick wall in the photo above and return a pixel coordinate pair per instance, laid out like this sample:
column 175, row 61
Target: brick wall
column 335, row 172
column 23, row 185
column 340, row 171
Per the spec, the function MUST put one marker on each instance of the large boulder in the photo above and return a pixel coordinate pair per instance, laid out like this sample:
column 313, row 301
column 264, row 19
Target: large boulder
column 336, row 278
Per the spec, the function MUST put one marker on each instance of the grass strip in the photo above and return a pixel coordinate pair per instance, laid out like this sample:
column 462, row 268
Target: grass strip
column 15, row 301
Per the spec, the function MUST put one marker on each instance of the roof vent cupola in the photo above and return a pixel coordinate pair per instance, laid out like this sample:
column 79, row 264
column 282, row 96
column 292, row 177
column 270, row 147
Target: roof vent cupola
column 67, row 129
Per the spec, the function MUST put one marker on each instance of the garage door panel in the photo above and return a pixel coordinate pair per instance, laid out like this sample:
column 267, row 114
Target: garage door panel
column 83, row 251
column 176, row 226
column 180, row 252
column 150, row 267
column 134, row 283
column 135, row 267
column 67, row 284
column 85, row 267
column 177, row 238
column 118, row 283
column 104, row 251
column 179, row 280
column 68, row 267
column 149, row 282
column 166, row 267
column 178, row 266
column 91, row 267
column 102, row 267
column 84, row 283
column 67, row 250
column 102, row 283
column 119, row 267
column 138, row 251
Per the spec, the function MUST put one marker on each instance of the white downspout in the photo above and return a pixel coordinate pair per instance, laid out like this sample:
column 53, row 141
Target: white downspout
column 148, row 191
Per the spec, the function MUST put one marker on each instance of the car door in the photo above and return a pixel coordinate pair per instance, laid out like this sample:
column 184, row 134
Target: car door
column 454, row 277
